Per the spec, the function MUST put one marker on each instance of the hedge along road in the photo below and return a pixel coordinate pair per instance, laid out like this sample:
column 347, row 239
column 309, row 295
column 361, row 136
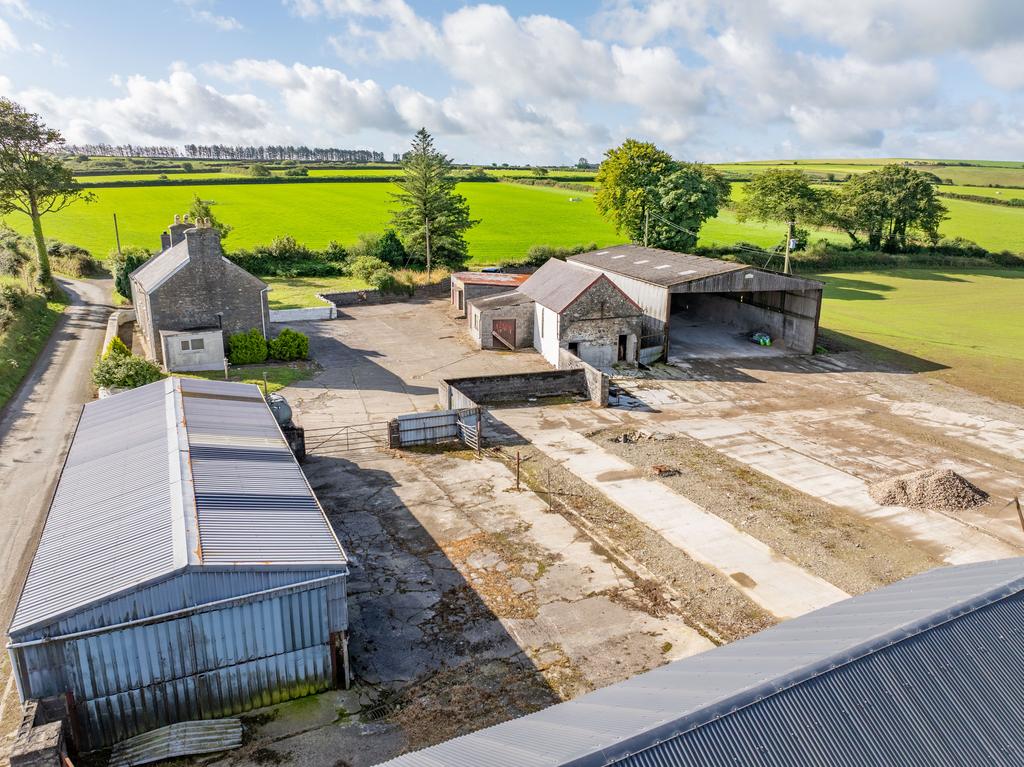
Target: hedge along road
column 513, row 217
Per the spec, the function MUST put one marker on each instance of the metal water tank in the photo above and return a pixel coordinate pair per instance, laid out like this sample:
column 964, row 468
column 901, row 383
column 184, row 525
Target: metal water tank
column 280, row 408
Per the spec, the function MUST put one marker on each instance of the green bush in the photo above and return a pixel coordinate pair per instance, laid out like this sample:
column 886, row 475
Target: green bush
column 123, row 264
column 258, row 171
column 70, row 259
column 538, row 255
column 249, row 348
column 117, row 348
column 297, row 171
column 15, row 251
column 289, row 345
column 11, row 300
column 119, row 371
column 371, row 270
column 285, row 257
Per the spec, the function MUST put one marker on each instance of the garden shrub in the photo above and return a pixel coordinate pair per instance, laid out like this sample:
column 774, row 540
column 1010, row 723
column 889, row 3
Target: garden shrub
column 123, row 264
column 11, row 300
column 71, row 259
column 289, row 345
column 117, row 348
column 249, row 348
column 119, row 371
column 371, row 270
column 15, row 251
column 285, row 257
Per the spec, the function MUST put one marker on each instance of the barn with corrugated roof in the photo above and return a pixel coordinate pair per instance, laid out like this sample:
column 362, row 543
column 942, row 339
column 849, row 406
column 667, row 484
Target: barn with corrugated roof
column 186, row 570
column 697, row 307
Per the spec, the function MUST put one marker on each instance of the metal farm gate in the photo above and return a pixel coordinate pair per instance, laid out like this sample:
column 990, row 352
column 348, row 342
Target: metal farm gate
column 354, row 439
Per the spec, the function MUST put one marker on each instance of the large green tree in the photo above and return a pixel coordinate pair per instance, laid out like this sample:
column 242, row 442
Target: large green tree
column 627, row 185
column 429, row 210
column 685, row 199
column 650, row 197
column 887, row 208
column 33, row 178
column 780, row 195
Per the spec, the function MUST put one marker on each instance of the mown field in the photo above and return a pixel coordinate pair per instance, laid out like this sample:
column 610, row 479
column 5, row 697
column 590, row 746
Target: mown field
column 970, row 323
column 513, row 217
column 979, row 173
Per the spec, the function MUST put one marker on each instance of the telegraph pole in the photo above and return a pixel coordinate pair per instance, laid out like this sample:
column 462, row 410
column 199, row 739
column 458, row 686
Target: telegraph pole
column 647, row 223
column 787, row 268
column 117, row 235
column 426, row 224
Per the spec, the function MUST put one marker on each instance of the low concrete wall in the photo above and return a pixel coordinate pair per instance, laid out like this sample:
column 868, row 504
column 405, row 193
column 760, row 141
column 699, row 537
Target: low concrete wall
column 357, row 297
column 309, row 313
column 597, row 382
column 517, row 387
column 114, row 322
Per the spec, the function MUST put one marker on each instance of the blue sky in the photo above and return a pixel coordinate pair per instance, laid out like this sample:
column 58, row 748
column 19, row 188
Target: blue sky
column 530, row 82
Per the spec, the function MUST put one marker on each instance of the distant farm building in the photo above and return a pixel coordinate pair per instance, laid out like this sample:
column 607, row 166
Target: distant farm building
column 185, row 570
column 561, row 306
column 189, row 298
column 467, row 286
column 704, row 307
column 923, row 672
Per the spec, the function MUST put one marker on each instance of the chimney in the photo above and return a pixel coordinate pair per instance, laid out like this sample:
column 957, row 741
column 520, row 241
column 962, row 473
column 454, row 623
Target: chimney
column 203, row 241
column 165, row 241
column 177, row 229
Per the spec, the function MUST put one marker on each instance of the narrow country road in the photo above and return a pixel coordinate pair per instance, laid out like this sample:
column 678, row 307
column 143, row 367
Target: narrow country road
column 37, row 424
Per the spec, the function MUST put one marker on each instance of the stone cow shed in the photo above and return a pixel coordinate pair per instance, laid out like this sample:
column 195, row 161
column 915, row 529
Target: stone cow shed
column 189, row 298
column 467, row 286
column 561, row 306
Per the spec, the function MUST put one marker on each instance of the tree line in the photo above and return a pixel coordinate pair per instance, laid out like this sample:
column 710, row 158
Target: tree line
column 226, row 152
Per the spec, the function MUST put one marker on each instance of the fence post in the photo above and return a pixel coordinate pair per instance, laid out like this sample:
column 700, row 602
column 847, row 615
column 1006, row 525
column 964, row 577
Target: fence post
column 479, row 432
column 518, row 462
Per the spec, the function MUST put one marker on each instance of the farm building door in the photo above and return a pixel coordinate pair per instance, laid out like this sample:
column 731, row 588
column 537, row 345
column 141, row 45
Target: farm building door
column 460, row 296
column 622, row 356
column 504, row 332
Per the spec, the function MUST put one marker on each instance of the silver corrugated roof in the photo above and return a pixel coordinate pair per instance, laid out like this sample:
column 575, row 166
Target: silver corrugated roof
column 659, row 267
column 161, row 266
column 557, row 284
column 182, row 472
column 926, row 671
column 512, row 298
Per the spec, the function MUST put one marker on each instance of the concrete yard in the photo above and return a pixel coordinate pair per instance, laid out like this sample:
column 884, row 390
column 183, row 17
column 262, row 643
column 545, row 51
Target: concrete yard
column 714, row 498
column 703, row 339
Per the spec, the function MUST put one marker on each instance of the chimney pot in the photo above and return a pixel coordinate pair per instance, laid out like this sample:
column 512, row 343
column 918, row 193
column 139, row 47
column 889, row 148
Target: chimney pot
column 177, row 218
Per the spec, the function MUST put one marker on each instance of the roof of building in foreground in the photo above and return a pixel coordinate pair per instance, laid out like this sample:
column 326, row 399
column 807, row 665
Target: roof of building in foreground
column 926, row 671
column 558, row 283
column 497, row 279
column 179, row 473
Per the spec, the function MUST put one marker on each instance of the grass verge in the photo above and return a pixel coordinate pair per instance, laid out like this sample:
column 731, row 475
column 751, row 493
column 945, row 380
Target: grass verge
column 278, row 374
column 22, row 341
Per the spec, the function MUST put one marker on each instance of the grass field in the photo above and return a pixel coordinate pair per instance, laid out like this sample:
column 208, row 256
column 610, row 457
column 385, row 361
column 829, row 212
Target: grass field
column 970, row 322
column 979, row 173
column 983, row 191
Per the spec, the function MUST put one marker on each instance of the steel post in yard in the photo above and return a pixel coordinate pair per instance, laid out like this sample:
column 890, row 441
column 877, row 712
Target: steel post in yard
column 518, row 462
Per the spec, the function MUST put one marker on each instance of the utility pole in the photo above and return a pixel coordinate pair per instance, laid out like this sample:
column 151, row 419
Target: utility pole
column 647, row 223
column 426, row 223
column 117, row 235
column 787, row 268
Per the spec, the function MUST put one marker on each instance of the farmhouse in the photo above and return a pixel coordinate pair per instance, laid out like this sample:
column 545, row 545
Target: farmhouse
column 189, row 298
column 561, row 306
column 185, row 570
column 913, row 673
column 467, row 286
column 704, row 307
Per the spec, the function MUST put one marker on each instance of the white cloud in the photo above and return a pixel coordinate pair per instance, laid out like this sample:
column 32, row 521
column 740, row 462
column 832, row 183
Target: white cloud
column 223, row 23
column 8, row 40
column 1003, row 66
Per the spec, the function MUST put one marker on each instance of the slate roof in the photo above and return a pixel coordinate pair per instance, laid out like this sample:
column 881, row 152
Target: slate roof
column 659, row 267
column 558, row 283
column 182, row 472
column 926, row 671
column 154, row 271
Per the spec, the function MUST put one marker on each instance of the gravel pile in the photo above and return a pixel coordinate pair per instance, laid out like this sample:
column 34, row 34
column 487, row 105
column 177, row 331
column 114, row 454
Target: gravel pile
column 929, row 489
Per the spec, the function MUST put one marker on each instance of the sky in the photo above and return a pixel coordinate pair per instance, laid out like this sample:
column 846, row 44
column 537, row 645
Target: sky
column 530, row 82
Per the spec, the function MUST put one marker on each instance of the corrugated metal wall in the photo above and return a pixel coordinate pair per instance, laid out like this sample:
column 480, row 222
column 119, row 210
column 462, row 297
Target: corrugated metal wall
column 216, row 661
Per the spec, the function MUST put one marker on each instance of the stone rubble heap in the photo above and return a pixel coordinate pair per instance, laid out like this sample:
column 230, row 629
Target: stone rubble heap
column 929, row 489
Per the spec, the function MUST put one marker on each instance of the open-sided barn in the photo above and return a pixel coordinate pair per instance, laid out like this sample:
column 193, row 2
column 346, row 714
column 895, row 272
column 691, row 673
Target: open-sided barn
column 185, row 570
column 696, row 306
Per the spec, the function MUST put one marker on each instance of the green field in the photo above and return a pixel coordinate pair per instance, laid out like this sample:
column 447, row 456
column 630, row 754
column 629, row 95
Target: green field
column 979, row 173
column 512, row 217
column 983, row 191
column 971, row 323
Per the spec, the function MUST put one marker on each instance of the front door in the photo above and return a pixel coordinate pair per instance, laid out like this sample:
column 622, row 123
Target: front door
column 504, row 333
column 623, row 341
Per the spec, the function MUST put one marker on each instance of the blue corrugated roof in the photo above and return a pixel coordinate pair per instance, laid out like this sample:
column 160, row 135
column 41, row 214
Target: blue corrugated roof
column 179, row 473
column 925, row 671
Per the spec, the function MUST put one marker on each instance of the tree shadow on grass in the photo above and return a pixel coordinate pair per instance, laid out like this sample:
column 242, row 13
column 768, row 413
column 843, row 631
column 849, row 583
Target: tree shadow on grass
column 892, row 360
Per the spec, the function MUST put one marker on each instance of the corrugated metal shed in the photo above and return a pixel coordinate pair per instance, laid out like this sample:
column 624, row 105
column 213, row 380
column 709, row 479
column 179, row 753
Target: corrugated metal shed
column 659, row 267
column 185, row 570
column 512, row 298
column 557, row 284
column 923, row 672
column 182, row 472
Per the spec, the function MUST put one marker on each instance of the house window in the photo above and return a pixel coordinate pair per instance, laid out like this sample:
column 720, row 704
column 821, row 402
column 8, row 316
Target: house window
column 193, row 344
